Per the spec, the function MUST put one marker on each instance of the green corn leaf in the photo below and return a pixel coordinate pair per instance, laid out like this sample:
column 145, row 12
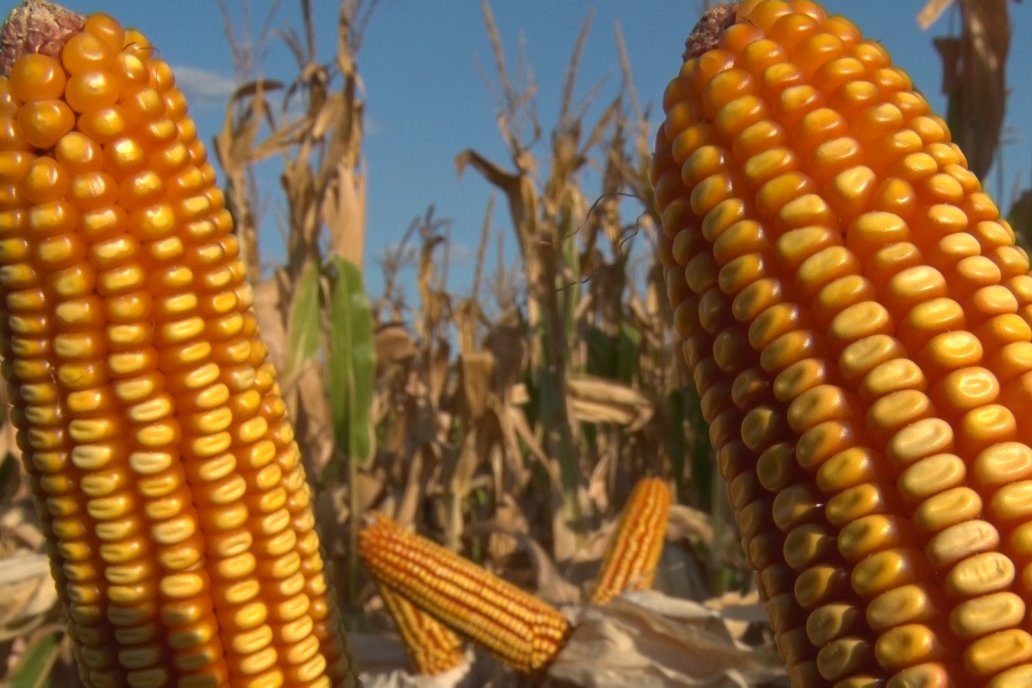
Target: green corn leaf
column 571, row 270
column 303, row 326
column 33, row 667
column 628, row 353
column 351, row 362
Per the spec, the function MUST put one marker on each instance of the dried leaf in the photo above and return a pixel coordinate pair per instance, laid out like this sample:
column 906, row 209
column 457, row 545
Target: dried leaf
column 393, row 344
column 518, row 422
column 550, row 584
column 424, row 460
column 26, row 592
column 687, row 523
column 739, row 611
column 251, row 88
column 21, row 525
column 597, row 400
column 931, row 12
column 974, row 80
column 646, row 639
column 512, row 454
column 343, row 212
column 477, row 371
column 459, row 477
column 268, row 309
column 459, row 677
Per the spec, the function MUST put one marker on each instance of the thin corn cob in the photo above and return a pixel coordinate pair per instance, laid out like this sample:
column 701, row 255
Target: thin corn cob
column 633, row 553
column 432, row 646
column 517, row 627
column 858, row 321
column 170, row 488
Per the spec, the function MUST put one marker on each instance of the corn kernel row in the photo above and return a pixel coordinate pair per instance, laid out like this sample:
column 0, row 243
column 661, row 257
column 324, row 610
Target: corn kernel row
column 520, row 629
column 856, row 317
column 432, row 647
column 180, row 521
column 633, row 553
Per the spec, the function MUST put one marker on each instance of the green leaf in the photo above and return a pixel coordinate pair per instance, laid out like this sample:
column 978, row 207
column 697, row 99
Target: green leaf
column 303, row 325
column 614, row 357
column 352, row 362
column 628, row 353
column 602, row 353
column 570, row 281
column 34, row 665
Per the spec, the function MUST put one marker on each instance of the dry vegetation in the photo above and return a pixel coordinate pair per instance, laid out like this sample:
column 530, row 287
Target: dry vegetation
column 510, row 429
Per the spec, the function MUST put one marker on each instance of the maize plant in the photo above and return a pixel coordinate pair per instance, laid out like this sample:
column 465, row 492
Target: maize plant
column 858, row 321
column 170, row 488
column 518, row 628
column 633, row 553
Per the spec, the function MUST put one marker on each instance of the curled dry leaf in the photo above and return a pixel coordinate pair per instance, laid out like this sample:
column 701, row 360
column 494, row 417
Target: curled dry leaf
column 690, row 524
column 382, row 663
column 597, row 400
column 550, row 584
column 646, row 639
column 459, row 677
column 19, row 528
column 393, row 344
column 739, row 611
column 931, row 12
column 26, row 592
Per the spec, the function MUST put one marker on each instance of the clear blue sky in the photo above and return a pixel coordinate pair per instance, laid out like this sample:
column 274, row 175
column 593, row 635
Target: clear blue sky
column 423, row 64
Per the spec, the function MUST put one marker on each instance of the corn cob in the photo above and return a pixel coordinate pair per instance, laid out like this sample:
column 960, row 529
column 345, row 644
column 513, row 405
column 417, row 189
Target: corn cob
column 633, row 553
column 169, row 484
column 858, row 321
column 432, row 647
column 518, row 628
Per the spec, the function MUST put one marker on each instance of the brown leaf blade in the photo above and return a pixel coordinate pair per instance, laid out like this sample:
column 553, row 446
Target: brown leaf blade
column 974, row 80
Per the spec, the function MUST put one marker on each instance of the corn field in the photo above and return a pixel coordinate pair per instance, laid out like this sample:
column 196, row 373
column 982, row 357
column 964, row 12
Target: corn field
column 507, row 412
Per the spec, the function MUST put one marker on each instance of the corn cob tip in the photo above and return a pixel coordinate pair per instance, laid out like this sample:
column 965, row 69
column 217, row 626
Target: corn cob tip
column 36, row 26
column 706, row 33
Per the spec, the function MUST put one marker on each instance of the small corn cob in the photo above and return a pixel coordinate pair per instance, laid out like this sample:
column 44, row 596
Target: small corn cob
column 517, row 627
column 633, row 554
column 170, row 488
column 432, row 646
column 858, row 321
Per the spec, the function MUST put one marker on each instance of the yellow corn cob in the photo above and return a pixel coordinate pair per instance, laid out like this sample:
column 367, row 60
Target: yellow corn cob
column 858, row 321
column 432, row 646
column 633, row 553
column 170, row 488
column 517, row 627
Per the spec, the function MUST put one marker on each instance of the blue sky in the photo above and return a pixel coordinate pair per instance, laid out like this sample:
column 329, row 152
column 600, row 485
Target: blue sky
column 424, row 63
